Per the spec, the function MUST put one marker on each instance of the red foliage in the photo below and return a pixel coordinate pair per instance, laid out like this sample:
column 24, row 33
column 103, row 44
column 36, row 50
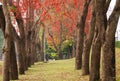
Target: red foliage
column 55, row 11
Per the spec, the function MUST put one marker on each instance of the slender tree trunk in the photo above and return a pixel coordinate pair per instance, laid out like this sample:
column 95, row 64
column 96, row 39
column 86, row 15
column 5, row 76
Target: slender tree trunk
column 87, row 45
column 80, row 36
column 108, row 61
column 95, row 60
column 6, row 60
column 42, row 45
column 2, row 20
column 74, row 45
column 13, row 63
column 79, row 47
column 33, row 46
column 60, row 56
column 28, row 49
column 20, row 57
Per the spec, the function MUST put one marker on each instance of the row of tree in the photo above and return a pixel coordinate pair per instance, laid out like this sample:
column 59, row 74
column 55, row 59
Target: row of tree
column 100, row 41
column 21, row 42
column 59, row 20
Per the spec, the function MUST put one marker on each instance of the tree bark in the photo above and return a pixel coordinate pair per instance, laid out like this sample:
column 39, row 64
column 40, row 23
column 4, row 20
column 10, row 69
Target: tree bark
column 22, row 39
column 20, row 57
column 42, row 44
column 80, row 36
column 87, row 45
column 8, row 38
column 33, row 47
column 13, row 63
column 108, row 61
column 60, row 56
column 74, row 45
column 95, row 60
column 98, row 40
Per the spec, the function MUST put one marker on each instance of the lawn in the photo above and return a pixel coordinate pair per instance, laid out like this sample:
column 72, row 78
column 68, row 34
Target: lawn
column 59, row 70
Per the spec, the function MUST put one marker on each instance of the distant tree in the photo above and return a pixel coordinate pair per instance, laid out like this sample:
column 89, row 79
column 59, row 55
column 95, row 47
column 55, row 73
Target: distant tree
column 87, row 43
column 80, row 35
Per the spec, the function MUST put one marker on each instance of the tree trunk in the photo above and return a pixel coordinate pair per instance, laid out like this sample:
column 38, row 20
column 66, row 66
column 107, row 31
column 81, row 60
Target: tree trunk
column 42, row 45
column 95, row 60
column 79, row 47
column 7, row 47
column 108, row 61
column 28, row 41
column 33, row 47
column 6, row 60
column 59, row 53
column 13, row 63
column 2, row 20
column 74, row 45
column 20, row 57
column 87, row 45
column 80, row 36
column 98, row 40
column 60, row 56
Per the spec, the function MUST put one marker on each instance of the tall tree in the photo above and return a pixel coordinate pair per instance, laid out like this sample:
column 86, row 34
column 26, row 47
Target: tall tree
column 13, row 63
column 8, row 38
column 108, row 60
column 80, row 35
column 98, row 40
column 43, row 44
column 88, row 42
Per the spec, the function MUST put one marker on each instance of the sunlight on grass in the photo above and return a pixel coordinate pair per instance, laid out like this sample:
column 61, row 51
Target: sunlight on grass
column 118, row 63
column 59, row 70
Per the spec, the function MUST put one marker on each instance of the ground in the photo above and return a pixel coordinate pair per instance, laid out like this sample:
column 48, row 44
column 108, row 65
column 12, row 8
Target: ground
column 59, row 70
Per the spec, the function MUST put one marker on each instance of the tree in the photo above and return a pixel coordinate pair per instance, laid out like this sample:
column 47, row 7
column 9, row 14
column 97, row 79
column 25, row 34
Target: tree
column 13, row 63
column 80, row 35
column 108, row 61
column 8, row 35
column 97, row 41
column 87, row 44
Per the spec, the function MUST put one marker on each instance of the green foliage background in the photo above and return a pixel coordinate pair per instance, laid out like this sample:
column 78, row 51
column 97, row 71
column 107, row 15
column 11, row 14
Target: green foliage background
column 117, row 44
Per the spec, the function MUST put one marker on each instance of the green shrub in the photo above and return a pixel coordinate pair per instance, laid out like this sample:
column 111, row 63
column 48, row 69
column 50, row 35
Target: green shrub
column 51, row 52
column 67, row 48
column 54, row 55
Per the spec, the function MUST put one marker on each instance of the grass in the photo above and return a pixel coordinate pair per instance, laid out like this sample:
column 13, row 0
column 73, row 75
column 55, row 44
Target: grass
column 60, row 70
column 118, row 63
column 117, row 44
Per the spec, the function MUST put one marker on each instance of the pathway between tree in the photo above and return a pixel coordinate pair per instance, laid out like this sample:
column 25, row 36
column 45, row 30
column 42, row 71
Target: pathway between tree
column 61, row 70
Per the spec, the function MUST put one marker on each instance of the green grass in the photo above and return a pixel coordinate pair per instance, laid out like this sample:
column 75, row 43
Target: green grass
column 117, row 44
column 59, row 70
